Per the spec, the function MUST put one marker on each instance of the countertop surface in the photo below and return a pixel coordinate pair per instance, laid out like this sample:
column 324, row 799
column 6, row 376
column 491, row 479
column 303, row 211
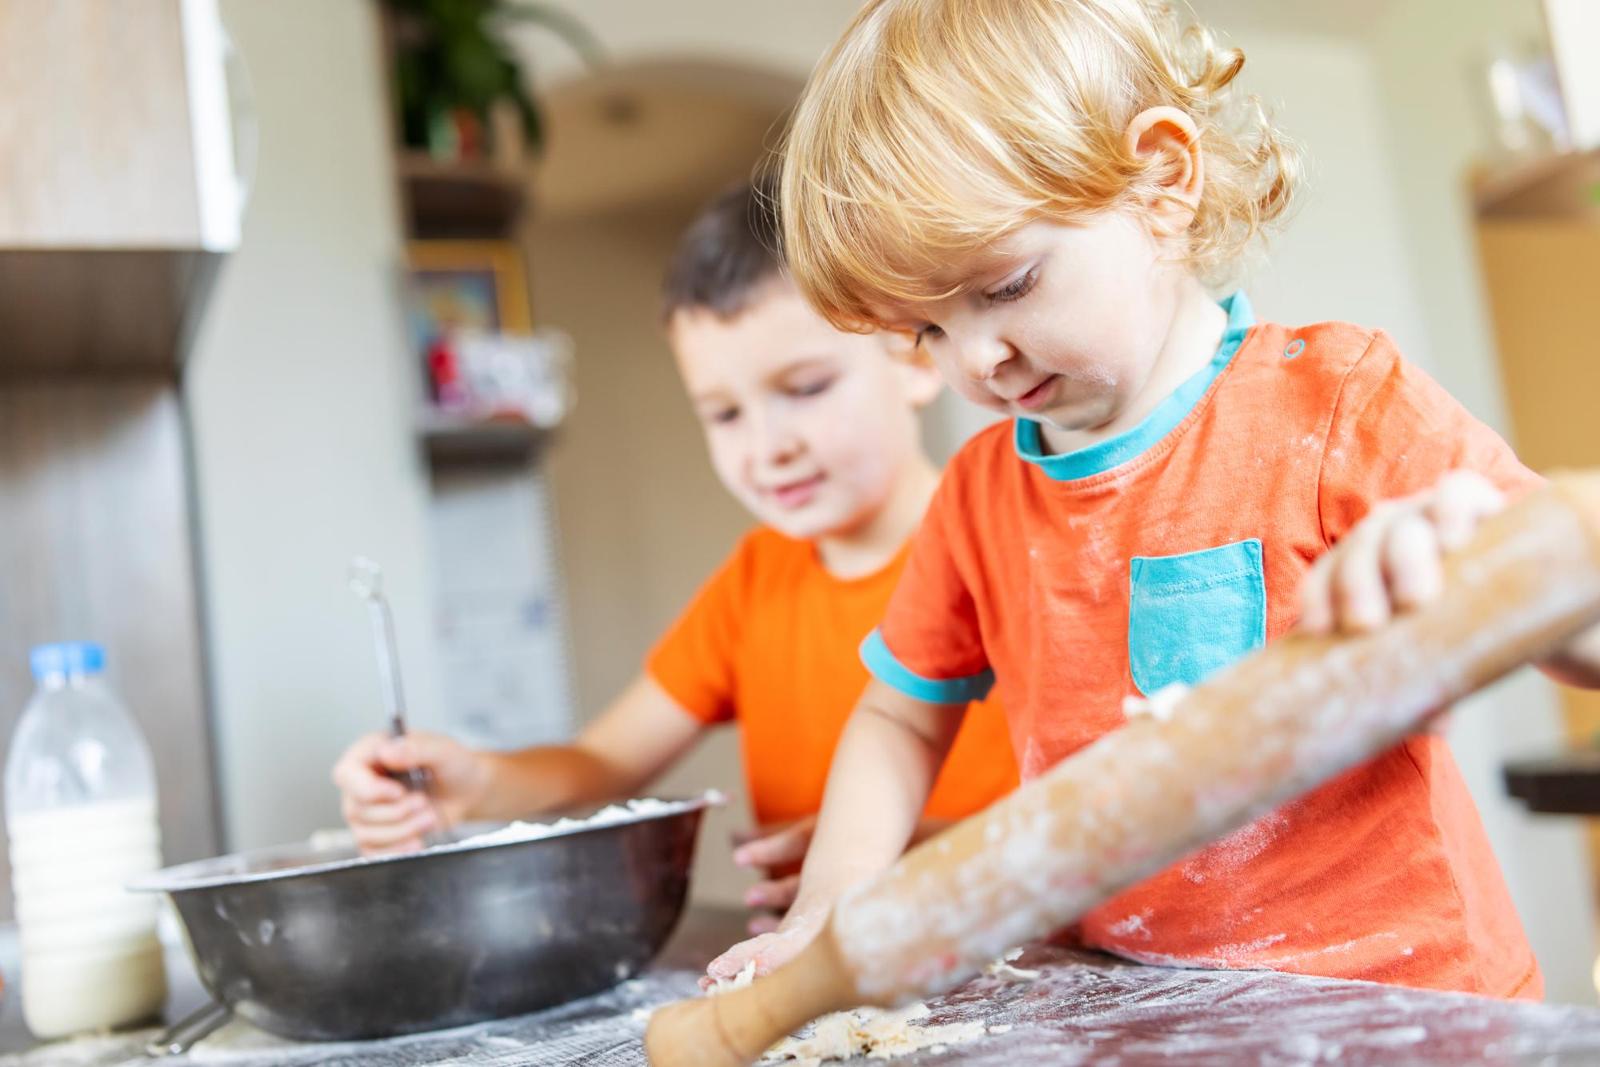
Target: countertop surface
column 1053, row 1007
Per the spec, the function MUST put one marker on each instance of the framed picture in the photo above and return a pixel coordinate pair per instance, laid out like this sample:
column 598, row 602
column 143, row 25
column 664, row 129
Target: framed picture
column 477, row 286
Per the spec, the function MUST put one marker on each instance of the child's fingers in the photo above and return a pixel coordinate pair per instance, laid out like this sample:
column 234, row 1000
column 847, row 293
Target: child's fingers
column 405, row 753
column 761, row 923
column 1316, row 597
column 385, row 814
column 776, row 894
column 404, row 836
column 397, row 848
column 356, row 776
column 746, row 834
column 411, row 820
column 1461, row 501
column 1391, row 561
column 727, row 966
column 1412, row 562
column 366, row 786
column 769, row 951
column 1360, row 599
column 786, row 846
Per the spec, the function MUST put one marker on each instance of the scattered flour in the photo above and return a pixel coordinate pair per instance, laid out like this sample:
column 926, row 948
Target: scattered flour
column 1005, row 970
column 1396, row 1036
column 1131, row 926
column 1002, row 968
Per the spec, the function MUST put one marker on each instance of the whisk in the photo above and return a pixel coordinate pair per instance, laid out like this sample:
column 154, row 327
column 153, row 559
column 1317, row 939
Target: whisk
column 366, row 581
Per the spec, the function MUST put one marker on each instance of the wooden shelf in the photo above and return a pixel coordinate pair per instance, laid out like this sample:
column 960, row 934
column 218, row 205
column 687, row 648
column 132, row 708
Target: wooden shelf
column 1562, row 186
column 1564, row 784
column 460, row 440
column 478, row 199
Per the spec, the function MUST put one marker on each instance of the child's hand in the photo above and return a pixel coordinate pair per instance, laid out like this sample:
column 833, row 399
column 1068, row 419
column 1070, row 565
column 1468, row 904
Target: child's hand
column 768, row 951
column 1393, row 560
column 382, row 814
column 773, row 849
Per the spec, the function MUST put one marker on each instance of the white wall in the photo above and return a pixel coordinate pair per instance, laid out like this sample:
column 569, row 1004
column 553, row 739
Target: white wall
column 1428, row 53
column 1342, row 254
column 781, row 34
column 300, row 397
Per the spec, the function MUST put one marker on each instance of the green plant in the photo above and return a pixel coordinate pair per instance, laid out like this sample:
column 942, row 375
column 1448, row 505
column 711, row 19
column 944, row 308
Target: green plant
column 452, row 56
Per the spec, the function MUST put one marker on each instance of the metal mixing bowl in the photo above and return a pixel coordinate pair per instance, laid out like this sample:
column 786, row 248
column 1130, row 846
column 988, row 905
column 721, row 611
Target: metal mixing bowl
column 326, row 946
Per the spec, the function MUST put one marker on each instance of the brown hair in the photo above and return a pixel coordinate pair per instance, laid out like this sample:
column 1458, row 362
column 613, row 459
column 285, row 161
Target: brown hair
column 727, row 253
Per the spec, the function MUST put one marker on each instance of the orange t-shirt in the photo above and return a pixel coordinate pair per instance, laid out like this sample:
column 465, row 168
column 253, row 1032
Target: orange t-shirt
column 1161, row 555
column 771, row 640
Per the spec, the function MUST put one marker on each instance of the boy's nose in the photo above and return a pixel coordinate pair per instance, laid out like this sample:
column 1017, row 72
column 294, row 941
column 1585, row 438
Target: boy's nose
column 982, row 357
column 772, row 439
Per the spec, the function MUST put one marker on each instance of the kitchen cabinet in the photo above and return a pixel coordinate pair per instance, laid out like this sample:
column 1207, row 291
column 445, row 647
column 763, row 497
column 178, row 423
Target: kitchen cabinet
column 120, row 178
column 117, row 122
column 120, row 197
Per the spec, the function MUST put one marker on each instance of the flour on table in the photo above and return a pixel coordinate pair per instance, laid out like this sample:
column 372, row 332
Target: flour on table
column 870, row 1032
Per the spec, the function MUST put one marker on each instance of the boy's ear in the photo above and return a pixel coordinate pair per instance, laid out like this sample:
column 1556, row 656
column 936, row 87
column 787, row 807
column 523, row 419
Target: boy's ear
column 918, row 377
column 1168, row 139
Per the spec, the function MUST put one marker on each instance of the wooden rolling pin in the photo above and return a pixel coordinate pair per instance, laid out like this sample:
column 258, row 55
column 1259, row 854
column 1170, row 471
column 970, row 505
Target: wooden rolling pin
column 1273, row 726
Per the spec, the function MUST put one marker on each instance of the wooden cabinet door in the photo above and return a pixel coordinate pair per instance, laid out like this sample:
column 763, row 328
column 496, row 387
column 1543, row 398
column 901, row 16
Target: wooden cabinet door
column 1543, row 281
column 115, row 130
column 95, row 545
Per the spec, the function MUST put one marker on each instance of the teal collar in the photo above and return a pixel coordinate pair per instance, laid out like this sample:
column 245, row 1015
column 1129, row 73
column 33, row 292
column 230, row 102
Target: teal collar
column 1115, row 451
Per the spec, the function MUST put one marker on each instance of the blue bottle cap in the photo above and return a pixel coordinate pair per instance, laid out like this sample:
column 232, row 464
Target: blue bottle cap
column 67, row 657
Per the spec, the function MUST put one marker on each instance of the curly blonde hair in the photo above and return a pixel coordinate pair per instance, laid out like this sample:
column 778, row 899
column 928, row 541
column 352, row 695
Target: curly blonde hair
column 936, row 127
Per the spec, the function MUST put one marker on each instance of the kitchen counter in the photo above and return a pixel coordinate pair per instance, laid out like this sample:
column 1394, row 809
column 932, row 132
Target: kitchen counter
column 1079, row 1008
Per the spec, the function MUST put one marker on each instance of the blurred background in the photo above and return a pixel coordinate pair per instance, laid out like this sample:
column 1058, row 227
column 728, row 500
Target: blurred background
column 283, row 291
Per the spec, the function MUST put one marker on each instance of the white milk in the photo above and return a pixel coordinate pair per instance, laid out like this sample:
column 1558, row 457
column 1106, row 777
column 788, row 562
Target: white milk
column 90, row 957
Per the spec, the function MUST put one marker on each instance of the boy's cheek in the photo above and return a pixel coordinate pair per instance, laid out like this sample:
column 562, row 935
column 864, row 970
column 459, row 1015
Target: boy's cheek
column 727, row 462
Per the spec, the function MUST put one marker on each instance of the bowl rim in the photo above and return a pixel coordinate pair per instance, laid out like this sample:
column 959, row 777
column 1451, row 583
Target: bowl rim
column 202, row 874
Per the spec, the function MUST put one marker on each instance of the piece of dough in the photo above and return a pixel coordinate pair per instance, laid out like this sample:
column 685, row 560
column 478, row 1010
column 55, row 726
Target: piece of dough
column 1158, row 705
column 870, row 1032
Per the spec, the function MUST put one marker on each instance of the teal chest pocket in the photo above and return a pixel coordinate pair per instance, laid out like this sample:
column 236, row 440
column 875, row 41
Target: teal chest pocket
column 1191, row 615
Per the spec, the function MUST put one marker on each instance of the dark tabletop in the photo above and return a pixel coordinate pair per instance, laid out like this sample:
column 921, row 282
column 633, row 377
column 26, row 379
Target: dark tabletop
column 1078, row 1009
